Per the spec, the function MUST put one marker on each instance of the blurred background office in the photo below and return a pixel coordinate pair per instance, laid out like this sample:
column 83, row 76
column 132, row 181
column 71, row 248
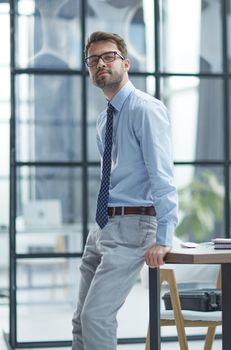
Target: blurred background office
column 180, row 51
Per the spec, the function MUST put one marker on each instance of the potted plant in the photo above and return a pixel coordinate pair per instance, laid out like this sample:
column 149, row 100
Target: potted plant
column 201, row 207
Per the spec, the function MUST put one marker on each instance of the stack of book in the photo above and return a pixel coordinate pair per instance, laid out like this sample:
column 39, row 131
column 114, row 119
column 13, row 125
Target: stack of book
column 222, row 243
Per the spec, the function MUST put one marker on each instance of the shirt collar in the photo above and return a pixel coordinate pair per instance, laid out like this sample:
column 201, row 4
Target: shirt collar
column 120, row 97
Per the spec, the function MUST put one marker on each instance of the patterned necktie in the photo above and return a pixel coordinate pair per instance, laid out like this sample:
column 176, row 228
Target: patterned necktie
column 102, row 202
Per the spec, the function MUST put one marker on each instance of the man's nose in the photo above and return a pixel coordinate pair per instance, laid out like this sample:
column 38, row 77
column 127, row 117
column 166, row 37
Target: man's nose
column 101, row 63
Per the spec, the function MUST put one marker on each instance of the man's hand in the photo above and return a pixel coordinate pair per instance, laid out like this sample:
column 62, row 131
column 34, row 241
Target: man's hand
column 154, row 257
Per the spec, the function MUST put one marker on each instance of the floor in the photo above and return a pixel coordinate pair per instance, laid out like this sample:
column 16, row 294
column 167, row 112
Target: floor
column 35, row 320
column 193, row 345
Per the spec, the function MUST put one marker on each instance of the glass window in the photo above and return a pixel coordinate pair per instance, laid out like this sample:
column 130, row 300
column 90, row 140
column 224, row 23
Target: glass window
column 134, row 22
column 4, row 88
column 229, row 36
column 48, row 34
column 4, row 204
column 48, row 114
column 191, row 36
column 4, row 255
column 49, row 210
column 96, row 103
column 4, row 174
column 5, row 110
column 4, row 156
column 4, row 93
column 4, row 35
column 46, row 287
column 196, row 110
column 144, row 83
column 4, row 160
column 133, row 317
column 50, row 287
column 201, row 202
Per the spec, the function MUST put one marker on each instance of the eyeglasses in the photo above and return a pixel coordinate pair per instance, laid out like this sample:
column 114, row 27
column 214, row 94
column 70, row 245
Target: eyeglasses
column 107, row 57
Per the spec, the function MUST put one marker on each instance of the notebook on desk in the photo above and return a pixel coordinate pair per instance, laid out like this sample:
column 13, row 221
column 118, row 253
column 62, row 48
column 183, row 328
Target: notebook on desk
column 42, row 214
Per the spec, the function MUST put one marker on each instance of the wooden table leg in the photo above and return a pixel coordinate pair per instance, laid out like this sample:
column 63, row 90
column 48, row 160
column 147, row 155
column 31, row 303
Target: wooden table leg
column 154, row 308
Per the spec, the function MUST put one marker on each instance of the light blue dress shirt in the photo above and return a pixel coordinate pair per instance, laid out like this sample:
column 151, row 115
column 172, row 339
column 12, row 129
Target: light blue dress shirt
column 142, row 166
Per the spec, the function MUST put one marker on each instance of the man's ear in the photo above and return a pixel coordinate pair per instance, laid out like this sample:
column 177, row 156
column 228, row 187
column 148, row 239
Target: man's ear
column 127, row 64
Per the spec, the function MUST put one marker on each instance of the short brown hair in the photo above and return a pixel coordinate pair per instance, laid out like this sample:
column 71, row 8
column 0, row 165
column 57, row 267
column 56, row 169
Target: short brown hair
column 100, row 36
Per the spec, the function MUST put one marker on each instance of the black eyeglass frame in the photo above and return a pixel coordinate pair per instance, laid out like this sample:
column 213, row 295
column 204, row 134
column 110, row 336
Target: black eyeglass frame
column 101, row 56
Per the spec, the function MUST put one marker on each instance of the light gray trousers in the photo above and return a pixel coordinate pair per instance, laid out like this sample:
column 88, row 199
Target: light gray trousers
column 112, row 260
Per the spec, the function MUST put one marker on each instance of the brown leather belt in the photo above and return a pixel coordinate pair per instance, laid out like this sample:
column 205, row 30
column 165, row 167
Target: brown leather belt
column 131, row 210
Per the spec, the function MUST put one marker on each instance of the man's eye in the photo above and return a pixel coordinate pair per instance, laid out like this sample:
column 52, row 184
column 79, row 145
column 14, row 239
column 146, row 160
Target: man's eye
column 93, row 59
column 108, row 57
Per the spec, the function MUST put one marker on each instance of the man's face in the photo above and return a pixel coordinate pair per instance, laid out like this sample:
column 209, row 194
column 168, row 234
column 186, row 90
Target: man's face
column 106, row 75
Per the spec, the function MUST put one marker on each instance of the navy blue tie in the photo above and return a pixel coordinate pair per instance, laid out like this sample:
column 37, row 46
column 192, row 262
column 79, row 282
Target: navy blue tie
column 102, row 202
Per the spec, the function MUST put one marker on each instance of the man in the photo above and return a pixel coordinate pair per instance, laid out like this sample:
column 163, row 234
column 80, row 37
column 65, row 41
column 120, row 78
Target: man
column 137, row 204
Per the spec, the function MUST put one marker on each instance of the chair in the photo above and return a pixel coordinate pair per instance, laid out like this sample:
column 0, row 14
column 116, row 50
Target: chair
column 186, row 318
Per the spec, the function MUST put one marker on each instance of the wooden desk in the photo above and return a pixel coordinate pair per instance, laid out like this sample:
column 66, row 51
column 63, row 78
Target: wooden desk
column 200, row 255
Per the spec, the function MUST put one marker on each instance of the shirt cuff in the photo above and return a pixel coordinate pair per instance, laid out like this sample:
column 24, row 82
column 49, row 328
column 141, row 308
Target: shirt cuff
column 165, row 234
